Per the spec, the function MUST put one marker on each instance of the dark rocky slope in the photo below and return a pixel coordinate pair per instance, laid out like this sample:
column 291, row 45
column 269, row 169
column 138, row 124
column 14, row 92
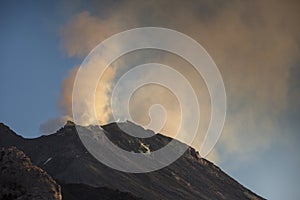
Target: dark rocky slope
column 20, row 179
column 86, row 192
column 65, row 158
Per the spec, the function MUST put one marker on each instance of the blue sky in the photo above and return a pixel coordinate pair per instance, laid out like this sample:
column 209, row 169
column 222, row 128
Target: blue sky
column 36, row 58
column 32, row 64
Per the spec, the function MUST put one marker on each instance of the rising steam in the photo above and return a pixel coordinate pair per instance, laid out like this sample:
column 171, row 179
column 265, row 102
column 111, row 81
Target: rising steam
column 253, row 53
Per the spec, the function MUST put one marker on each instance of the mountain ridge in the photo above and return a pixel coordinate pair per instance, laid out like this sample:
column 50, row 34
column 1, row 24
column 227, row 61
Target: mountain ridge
column 190, row 177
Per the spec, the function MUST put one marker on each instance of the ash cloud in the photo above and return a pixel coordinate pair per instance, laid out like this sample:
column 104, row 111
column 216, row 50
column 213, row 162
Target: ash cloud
column 253, row 43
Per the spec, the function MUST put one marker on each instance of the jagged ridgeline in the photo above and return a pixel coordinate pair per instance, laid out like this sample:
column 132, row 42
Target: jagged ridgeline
column 63, row 156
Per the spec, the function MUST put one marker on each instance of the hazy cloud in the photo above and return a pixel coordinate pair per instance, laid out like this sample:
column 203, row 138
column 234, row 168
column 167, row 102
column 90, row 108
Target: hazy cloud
column 253, row 43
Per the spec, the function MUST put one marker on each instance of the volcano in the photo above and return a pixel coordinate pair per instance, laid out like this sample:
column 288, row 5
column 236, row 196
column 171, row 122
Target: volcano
column 64, row 157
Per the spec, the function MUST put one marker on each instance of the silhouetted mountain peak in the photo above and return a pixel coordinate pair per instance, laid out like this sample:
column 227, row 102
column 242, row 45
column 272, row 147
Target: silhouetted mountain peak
column 130, row 128
column 190, row 177
column 69, row 123
column 5, row 129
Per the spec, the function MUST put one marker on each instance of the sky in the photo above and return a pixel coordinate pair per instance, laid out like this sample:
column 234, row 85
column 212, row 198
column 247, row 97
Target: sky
column 255, row 44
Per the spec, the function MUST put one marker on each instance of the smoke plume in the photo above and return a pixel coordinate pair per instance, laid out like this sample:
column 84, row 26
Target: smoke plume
column 253, row 44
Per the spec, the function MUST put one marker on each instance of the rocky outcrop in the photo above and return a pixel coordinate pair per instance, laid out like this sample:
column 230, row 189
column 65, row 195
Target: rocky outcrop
column 20, row 179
